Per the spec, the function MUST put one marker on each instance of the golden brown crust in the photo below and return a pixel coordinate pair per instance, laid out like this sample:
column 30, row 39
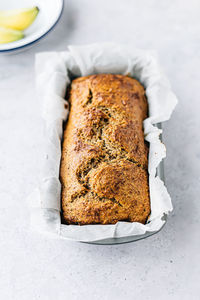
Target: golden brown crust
column 104, row 156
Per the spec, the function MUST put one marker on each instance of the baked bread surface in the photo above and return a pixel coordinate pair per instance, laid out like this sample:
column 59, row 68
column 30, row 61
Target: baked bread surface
column 104, row 156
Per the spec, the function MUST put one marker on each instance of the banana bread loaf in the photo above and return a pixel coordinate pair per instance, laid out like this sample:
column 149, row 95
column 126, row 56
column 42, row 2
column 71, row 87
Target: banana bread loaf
column 104, row 160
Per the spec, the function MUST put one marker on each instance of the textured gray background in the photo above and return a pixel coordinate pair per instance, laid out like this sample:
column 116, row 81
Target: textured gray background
column 164, row 266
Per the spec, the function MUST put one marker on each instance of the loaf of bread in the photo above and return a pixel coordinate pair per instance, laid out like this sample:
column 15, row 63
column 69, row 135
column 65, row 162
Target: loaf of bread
column 104, row 160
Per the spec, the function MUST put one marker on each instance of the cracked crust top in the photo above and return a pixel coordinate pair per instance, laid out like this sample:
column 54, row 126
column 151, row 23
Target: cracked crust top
column 104, row 156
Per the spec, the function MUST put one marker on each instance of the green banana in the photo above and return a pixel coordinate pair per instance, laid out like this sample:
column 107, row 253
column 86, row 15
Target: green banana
column 8, row 35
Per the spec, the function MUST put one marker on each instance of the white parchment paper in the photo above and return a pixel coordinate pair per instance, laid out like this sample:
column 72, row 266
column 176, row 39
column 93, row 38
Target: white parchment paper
column 53, row 73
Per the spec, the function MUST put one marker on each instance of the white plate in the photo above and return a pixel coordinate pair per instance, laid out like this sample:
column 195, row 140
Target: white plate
column 49, row 14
